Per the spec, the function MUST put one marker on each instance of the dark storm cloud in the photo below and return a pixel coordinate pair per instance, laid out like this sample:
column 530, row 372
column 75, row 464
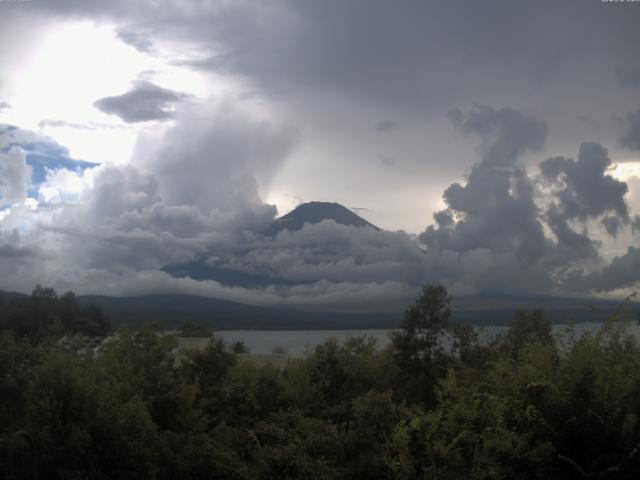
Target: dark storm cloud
column 144, row 102
column 622, row 272
column 631, row 136
column 505, row 133
column 497, row 220
column 443, row 218
column 612, row 225
column 585, row 190
column 575, row 245
column 327, row 45
column 410, row 55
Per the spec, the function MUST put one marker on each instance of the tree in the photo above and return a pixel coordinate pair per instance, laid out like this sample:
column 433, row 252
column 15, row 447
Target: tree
column 44, row 314
column 239, row 347
column 527, row 328
column 418, row 348
column 191, row 329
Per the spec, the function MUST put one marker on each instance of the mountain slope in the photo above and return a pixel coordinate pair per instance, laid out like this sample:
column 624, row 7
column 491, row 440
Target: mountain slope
column 315, row 212
column 170, row 311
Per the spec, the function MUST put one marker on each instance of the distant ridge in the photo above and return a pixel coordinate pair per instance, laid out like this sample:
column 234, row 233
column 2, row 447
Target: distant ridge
column 316, row 212
column 171, row 310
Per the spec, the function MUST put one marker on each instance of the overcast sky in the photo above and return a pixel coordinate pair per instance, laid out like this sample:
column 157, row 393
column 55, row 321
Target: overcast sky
column 500, row 137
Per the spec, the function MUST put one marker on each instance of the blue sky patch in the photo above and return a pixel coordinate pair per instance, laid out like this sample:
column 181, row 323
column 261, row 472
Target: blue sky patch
column 42, row 154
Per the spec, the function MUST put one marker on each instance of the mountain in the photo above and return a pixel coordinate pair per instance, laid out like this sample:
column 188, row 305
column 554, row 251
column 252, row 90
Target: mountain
column 311, row 213
column 171, row 310
column 315, row 212
column 8, row 296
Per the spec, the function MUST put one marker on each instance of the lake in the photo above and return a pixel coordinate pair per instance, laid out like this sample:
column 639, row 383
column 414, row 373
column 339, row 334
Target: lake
column 296, row 342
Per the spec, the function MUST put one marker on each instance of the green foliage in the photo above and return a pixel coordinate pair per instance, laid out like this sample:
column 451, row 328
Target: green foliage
column 435, row 404
column 45, row 314
column 239, row 347
column 418, row 345
column 190, row 329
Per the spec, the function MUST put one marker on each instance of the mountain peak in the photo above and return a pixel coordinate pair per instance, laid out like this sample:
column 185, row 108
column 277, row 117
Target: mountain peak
column 315, row 212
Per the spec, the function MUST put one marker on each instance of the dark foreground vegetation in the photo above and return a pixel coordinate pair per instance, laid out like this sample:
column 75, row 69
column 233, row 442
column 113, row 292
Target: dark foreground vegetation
column 435, row 404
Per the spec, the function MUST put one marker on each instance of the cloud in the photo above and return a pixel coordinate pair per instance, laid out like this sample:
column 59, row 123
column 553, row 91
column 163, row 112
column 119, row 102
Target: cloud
column 4, row 106
column 386, row 125
column 138, row 40
column 196, row 189
column 574, row 245
column 144, row 102
column 15, row 176
column 194, row 197
column 43, row 155
column 218, row 158
column 493, row 229
column 410, row 57
column 631, row 136
column 386, row 160
column 612, row 225
column 332, row 252
column 61, row 123
column 47, row 122
column 193, row 193
column 585, row 189
column 629, row 75
column 16, row 259
column 408, row 63
column 622, row 272
column 120, row 232
column 493, row 220
column 505, row 133
column 61, row 185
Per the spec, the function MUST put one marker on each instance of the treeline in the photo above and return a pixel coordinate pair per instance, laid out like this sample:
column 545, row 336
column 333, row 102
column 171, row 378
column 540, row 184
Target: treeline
column 435, row 404
column 44, row 315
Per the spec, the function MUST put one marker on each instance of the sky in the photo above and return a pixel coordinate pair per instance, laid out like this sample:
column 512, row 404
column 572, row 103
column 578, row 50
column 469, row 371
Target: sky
column 496, row 144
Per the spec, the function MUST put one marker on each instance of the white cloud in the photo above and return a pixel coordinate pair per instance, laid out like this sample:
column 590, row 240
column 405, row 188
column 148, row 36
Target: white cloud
column 15, row 176
column 63, row 185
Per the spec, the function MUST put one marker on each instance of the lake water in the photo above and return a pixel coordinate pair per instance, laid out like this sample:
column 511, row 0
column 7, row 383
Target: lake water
column 296, row 342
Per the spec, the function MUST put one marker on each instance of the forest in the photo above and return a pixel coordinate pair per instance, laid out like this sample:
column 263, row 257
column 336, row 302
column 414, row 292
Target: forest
column 436, row 404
